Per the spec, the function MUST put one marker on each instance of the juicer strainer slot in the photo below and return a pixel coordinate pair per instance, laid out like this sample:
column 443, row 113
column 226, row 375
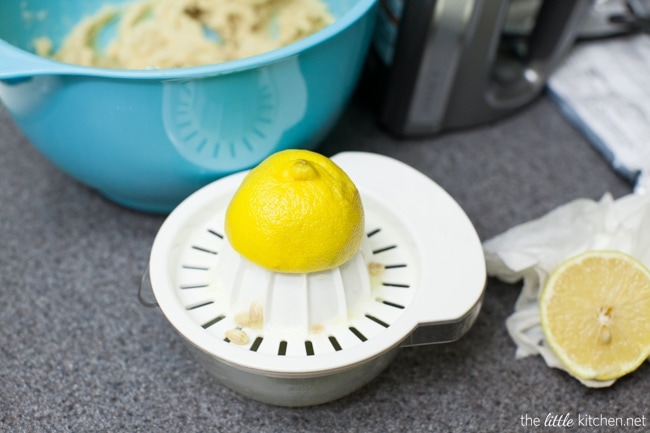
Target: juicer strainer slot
column 357, row 334
column 377, row 321
column 211, row 322
column 381, row 250
column 256, row 344
column 204, row 250
column 193, row 286
column 391, row 304
column 199, row 305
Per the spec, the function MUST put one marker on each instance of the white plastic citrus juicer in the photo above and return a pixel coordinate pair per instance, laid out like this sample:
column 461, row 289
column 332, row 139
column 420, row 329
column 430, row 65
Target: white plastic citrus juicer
column 306, row 339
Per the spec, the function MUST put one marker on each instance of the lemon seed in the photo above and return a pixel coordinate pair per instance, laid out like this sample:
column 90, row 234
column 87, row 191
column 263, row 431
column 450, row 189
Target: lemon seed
column 237, row 336
column 256, row 315
column 376, row 269
column 242, row 319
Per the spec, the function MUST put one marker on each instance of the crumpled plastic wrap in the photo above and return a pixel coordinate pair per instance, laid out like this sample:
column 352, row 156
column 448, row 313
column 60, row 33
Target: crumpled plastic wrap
column 531, row 251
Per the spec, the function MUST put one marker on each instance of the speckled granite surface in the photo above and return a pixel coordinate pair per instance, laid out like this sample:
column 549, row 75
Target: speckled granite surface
column 79, row 353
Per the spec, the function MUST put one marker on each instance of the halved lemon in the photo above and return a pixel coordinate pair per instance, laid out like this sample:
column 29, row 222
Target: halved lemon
column 296, row 212
column 595, row 313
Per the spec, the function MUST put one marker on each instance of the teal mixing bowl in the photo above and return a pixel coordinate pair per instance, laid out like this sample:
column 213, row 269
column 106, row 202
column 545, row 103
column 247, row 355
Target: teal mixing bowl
column 148, row 139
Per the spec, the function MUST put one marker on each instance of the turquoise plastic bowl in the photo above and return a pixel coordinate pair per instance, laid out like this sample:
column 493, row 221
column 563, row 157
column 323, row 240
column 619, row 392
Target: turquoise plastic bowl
column 148, row 139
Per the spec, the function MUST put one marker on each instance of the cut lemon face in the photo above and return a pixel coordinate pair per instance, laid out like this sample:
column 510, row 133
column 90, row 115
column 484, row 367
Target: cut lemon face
column 595, row 313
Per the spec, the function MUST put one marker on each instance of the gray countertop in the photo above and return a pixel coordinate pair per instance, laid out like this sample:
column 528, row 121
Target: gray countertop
column 79, row 353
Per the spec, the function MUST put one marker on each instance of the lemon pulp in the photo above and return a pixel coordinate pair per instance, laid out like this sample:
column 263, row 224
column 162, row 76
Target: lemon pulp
column 595, row 314
column 296, row 212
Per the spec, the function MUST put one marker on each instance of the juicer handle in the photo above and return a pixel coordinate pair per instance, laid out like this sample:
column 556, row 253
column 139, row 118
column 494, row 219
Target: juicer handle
column 445, row 332
column 145, row 286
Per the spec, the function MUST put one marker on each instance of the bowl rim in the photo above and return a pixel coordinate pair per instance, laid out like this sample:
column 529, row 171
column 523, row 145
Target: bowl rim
column 355, row 13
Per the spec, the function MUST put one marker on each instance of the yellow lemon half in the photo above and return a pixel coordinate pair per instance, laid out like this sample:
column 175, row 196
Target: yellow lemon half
column 296, row 212
column 595, row 313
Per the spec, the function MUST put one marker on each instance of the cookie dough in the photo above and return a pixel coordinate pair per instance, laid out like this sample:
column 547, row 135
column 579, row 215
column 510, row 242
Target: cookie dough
column 153, row 34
